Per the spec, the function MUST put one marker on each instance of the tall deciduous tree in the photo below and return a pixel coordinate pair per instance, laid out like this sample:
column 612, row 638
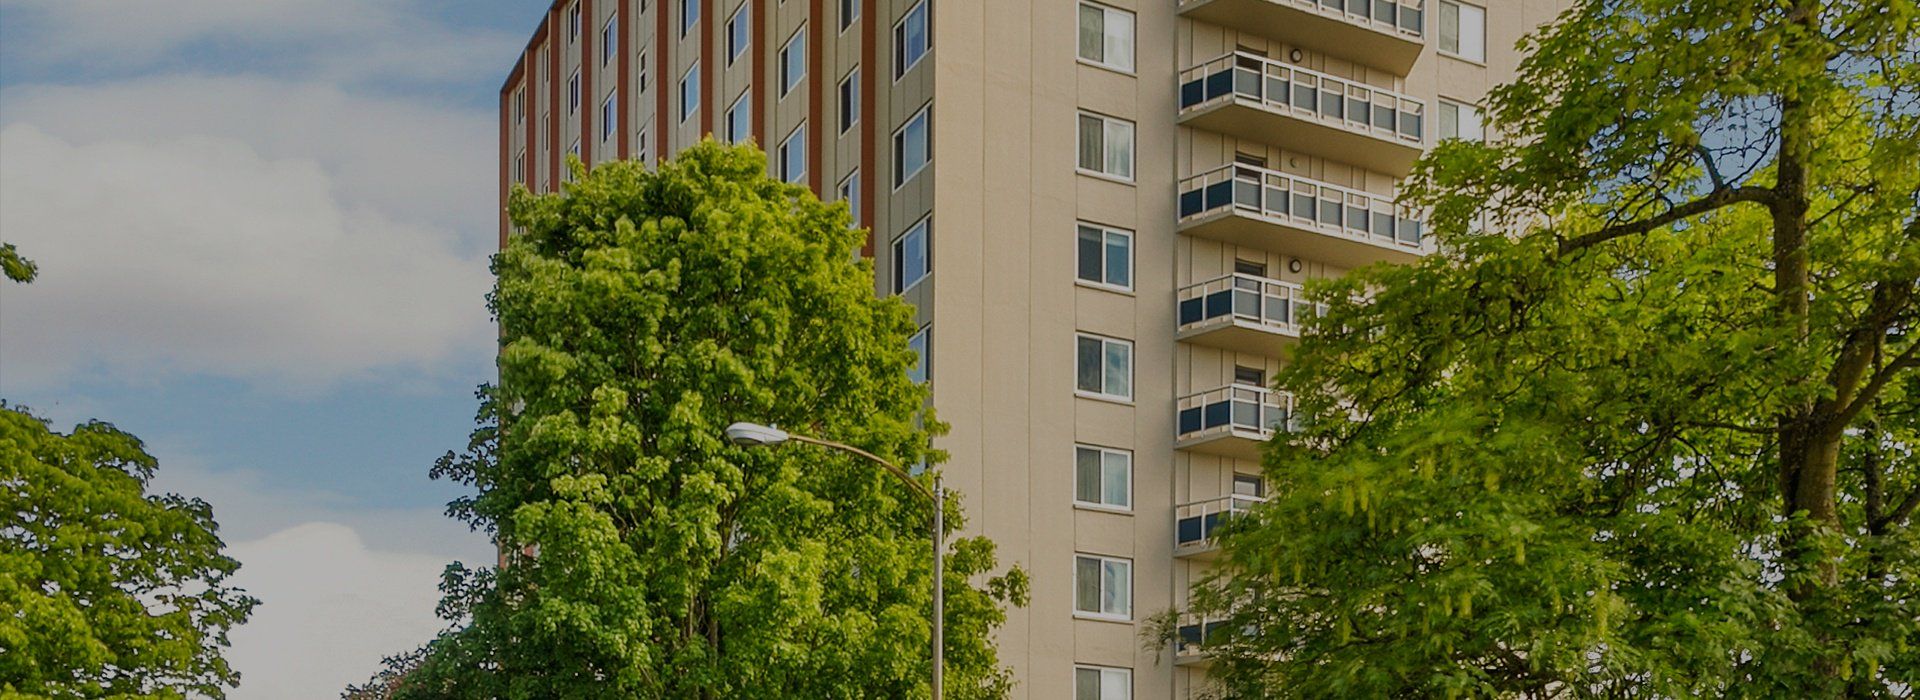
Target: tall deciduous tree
column 106, row 591
column 1653, row 438
column 640, row 313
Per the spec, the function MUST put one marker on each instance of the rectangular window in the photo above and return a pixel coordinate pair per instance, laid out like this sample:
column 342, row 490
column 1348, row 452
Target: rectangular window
column 1101, row 683
column 573, row 152
column 1249, row 376
column 849, row 11
column 922, row 348
column 1103, row 587
column 910, row 39
column 910, row 153
column 573, row 92
column 793, row 155
column 911, row 261
column 1460, row 121
column 690, row 92
column 1102, row 476
column 850, row 99
column 1106, row 36
column 1103, row 367
column 520, row 167
column 793, row 61
column 1105, row 256
column 740, row 118
column 573, row 24
column 689, row 15
column 850, row 193
column 739, row 31
column 520, row 106
column 640, row 70
column 609, row 115
column 1463, row 30
column 1106, row 145
column 610, row 40
column 1249, row 485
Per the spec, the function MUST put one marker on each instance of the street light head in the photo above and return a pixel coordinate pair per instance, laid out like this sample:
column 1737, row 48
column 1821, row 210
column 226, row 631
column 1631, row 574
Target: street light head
column 755, row 435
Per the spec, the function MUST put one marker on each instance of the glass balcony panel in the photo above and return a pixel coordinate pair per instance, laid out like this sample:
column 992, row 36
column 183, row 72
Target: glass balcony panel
column 1331, row 104
column 1246, row 83
column 1410, row 124
column 1410, row 19
column 1277, row 201
column 1305, row 94
column 1277, row 88
column 1383, row 116
column 1246, row 193
column 1329, row 211
column 1303, row 204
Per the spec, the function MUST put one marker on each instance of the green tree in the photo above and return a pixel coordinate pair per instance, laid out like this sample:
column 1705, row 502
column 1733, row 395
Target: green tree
column 1656, row 437
column 14, row 267
column 106, row 591
column 640, row 313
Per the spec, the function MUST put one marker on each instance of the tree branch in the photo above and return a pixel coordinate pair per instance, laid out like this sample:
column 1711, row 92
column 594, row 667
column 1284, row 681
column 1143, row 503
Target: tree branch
column 1717, row 199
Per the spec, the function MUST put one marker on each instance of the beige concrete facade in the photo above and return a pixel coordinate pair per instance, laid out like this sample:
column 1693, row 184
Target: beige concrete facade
column 1223, row 169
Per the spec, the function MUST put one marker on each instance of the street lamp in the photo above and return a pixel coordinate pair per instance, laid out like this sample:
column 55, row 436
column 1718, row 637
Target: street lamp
column 756, row 435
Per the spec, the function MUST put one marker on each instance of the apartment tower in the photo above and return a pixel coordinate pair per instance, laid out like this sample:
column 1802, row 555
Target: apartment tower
column 1103, row 212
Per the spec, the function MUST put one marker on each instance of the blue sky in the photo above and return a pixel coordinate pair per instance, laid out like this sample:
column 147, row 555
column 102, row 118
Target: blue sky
column 263, row 227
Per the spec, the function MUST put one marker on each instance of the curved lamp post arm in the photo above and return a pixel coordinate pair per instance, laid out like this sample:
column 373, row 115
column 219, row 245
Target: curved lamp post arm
column 871, row 457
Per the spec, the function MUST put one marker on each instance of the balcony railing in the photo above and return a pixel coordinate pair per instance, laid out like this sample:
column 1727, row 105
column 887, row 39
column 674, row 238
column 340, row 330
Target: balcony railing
column 1306, row 94
column 1388, row 33
column 1249, row 412
column 1194, row 523
column 1196, row 635
column 1302, row 203
column 1268, row 304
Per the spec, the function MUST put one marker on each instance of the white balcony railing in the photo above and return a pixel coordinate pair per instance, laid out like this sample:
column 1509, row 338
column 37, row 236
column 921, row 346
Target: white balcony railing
column 1306, row 94
column 1405, row 17
column 1237, row 409
column 1194, row 523
column 1303, row 203
column 1268, row 304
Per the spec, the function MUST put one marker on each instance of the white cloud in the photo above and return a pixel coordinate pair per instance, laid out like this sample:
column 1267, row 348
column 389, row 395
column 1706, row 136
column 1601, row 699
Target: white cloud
column 294, row 236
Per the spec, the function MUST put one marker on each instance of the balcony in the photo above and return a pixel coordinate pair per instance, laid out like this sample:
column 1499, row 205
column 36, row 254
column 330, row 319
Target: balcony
column 1232, row 421
column 1194, row 523
column 1382, row 33
column 1194, row 635
column 1243, row 313
column 1260, row 99
column 1256, row 207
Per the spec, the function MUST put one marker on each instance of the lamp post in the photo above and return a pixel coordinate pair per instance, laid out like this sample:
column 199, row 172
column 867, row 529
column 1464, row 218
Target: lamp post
column 755, row 435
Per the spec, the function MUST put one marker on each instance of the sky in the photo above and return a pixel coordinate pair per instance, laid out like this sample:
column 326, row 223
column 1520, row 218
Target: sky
column 262, row 228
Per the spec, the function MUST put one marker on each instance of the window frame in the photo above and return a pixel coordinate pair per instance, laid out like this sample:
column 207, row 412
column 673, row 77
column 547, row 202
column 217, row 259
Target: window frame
column 849, row 13
column 1102, row 394
column 1459, row 106
column 744, row 100
column 1101, row 589
column 923, row 360
column 573, row 93
column 849, row 99
column 1103, row 452
column 742, row 17
column 849, row 191
column 1125, row 673
column 610, row 39
column 1459, row 34
column 1133, row 47
column 690, row 107
column 610, row 115
column 901, row 67
column 788, row 62
column 574, row 21
column 787, row 159
column 689, row 19
column 924, row 226
column 1106, row 124
column 1106, row 233
column 900, row 177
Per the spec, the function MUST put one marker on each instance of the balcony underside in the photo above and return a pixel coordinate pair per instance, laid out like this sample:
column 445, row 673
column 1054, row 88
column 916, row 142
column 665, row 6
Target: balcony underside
column 1204, row 550
column 1239, row 335
column 1282, row 20
column 1243, row 118
column 1245, row 228
column 1198, row 660
column 1234, row 443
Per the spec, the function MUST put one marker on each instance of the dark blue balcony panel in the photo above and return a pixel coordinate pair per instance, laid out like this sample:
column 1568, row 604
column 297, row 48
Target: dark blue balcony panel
column 1192, row 93
column 1192, row 202
column 1190, row 531
column 1190, row 420
column 1218, row 414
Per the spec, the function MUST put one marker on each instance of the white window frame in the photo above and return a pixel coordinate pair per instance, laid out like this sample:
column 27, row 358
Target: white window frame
column 566, row 171
column 689, row 19
column 741, row 109
column 924, row 227
column 520, row 106
column 1103, row 453
column 520, row 167
column 1102, row 394
column 573, row 24
column 1471, row 51
column 742, row 23
column 1108, row 12
column 640, row 70
column 1106, row 674
column 925, row 117
column 793, row 56
column 1127, row 615
column 1106, row 234
column 923, row 358
column 901, row 65
column 849, row 13
column 848, row 103
column 849, row 191
column 573, row 92
column 610, row 116
column 787, row 157
column 1108, row 126
column 691, row 79
column 1459, row 108
column 609, row 40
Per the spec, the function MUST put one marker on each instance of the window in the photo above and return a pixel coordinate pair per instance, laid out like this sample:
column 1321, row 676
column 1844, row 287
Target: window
column 739, row 31
column 1106, row 145
column 1460, row 121
column 1102, row 476
column 1106, row 256
column 520, row 106
column 1100, row 683
column 850, row 99
column 1104, row 367
column 573, row 92
column 1463, row 30
column 910, row 39
column 793, row 155
column 740, row 118
column 573, row 24
column 1249, row 376
column 849, row 11
column 920, row 344
column 793, row 61
column 609, row 115
column 690, row 92
column 610, row 40
column 689, row 15
column 1250, row 267
column 1106, row 36
column 910, row 153
column 1249, row 485
column 520, row 167
column 640, row 67
column 850, row 193
column 911, row 263
column 566, row 171
column 1103, row 587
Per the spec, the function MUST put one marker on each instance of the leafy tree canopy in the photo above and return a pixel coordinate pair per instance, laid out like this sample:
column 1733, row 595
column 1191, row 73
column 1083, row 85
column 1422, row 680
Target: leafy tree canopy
column 641, row 313
column 1655, row 437
column 106, row 591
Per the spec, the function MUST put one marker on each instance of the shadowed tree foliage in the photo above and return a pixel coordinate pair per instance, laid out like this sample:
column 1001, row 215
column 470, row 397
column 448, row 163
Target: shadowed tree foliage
column 1653, row 439
column 106, row 591
column 642, row 312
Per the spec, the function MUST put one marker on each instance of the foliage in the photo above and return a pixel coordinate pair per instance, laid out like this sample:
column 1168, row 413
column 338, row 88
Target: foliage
column 1656, row 438
column 14, row 267
column 642, row 312
column 106, row 590
column 386, row 682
